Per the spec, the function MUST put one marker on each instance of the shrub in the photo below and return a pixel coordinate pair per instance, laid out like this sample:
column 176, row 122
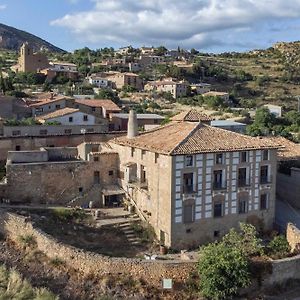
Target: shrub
column 246, row 240
column 66, row 215
column 279, row 247
column 27, row 240
column 57, row 261
column 223, row 270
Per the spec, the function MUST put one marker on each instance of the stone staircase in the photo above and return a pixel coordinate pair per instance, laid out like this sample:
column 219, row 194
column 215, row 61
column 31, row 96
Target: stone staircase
column 129, row 232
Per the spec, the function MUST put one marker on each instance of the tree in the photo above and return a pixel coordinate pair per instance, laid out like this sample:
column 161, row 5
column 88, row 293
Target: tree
column 223, row 270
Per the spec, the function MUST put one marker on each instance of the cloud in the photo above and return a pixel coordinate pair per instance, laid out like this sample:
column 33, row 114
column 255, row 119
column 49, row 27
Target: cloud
column 197, row 23
column 3, row 6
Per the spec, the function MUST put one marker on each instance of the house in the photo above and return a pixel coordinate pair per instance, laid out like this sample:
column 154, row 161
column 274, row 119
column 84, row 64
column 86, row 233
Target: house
column 192, row 115
column 194, row 182
column 29, row 61
column 200, row 88
column 101, row 108
column 50, row 104
column 123, row 50
column 99, row 81
column 147, row 50
column 230, row 125
column 224, row 96
column 119, row 121
column 149, row 60
column 276, row 110
column 176, row 88
column 288, row 172
column 68, row 116
column 65, row 69
column 14, row 108
column 120, row 80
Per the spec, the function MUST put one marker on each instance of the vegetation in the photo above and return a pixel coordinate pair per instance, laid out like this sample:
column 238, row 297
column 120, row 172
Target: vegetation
column 23, row 122
column 226, row 266
column 223, row 270
column 65, row 214
column 13, row 286
column 27, row 240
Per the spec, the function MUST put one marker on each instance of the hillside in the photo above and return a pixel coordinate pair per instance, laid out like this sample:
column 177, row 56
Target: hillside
column 12, row 39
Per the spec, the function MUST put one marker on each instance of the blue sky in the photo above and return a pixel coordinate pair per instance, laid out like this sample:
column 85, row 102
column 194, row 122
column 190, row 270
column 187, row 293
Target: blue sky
column 207, row 25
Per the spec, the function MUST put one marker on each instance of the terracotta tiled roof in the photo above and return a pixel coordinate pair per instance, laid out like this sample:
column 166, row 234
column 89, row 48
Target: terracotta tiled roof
column 58, row 113
column 288, row 151
column 106, row 103
column 48, row 100
column 178, row 138
column 192, row 115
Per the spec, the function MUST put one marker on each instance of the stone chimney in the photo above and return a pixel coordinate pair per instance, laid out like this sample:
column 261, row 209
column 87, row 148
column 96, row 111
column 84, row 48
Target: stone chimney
column 132, row 128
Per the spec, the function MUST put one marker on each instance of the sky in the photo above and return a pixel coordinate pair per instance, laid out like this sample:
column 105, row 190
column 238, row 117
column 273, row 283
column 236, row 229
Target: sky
column 206, row 25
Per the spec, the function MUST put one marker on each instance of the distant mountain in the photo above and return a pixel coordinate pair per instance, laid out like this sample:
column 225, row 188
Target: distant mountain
column 12, row 39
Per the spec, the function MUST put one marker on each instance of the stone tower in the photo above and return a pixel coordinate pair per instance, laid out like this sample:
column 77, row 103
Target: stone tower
column 132, row 129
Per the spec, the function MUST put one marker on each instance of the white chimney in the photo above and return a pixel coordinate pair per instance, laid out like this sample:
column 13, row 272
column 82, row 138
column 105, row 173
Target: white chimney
column 132, row 128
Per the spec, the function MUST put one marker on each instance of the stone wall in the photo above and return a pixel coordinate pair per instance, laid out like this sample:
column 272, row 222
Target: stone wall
column 14, row 226
column 293, row 236
column 35, row 143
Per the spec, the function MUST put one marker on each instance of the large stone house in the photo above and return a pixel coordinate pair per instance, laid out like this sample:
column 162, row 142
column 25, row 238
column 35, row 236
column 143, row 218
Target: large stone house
column 194, row 182
column 190, row 181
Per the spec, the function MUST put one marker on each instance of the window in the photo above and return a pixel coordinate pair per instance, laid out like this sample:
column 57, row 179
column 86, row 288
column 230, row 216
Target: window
column 188, row 213
column 43, row 132
column 93, row 108
column 57, row 106
column 85, row 118
column 243, row 156
column 156, row 157
column 18, row 148
column 132, row 152
column 80, row 189
column 219, row 158
column 90, row 130
column 265, row 155
column 263, row 201
column 243, row 205
column 216, row 233
column 111, row 173
column 264, row 174
column 242, row 177
column 68, row 131
column 143, row 174
column 96, row 158
column 188, row 183
column 70, row 119
column 143, row 152
column 16, row 132
column 96, row 177
column 218, row 209
column 189, row 161
column 218, row 180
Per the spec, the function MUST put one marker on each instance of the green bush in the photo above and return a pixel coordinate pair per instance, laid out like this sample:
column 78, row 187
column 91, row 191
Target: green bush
column 223, row 270
column 279, row 247
column 27, row 240
column 65, row 214
column 57, row 261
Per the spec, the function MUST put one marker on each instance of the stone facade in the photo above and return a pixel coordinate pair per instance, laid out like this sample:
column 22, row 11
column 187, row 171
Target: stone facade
column 36, row 142
column 293, row 236
column 184, row 218
column 29, row 61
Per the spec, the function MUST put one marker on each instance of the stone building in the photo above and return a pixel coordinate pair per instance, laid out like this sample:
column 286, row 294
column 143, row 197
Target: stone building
column 191, row 181
column 29, row 61
column 194, row 182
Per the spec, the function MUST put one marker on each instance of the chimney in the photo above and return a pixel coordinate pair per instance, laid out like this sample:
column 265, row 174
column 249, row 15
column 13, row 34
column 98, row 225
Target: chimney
column 132, row 128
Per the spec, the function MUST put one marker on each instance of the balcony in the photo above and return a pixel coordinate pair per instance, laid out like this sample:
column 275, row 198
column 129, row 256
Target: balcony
column 219, row 185
column 189, row 189
column 138, row 183
column 266, row 179
column 244, row 182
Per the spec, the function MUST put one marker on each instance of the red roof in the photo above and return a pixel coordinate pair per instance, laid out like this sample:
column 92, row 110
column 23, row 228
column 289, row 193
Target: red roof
column 105, row 103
